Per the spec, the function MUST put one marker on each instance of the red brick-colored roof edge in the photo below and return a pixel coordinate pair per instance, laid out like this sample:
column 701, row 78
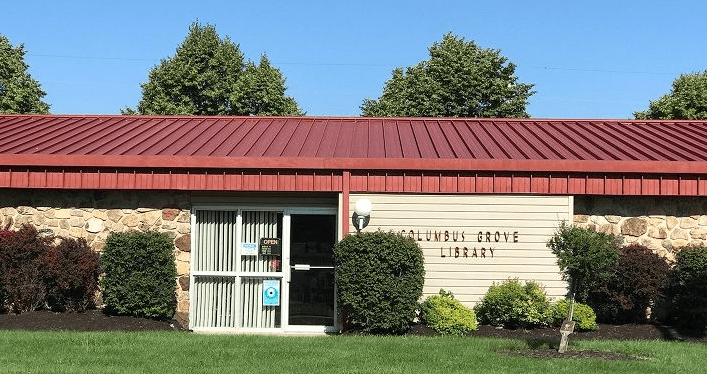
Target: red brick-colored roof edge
column 354, row 143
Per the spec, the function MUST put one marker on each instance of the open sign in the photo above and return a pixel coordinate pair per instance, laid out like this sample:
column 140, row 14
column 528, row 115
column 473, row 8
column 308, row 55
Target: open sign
column 270, row 247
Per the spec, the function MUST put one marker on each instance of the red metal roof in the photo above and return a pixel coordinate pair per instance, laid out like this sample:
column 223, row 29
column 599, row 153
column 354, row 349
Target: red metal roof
column 354, row 143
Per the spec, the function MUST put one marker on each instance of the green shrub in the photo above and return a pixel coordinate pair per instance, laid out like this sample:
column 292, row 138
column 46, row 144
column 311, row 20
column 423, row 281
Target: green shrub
column 513, row 305
column 634, row 285
column 379, row 278
column 22, row 285
column 585, row 257
column 71, row 275
column 688, row 288
column 446, row 315
column 140, row 274
column 582, row 315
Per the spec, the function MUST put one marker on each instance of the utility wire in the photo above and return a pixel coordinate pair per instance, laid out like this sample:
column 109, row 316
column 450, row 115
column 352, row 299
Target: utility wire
column 558, row 68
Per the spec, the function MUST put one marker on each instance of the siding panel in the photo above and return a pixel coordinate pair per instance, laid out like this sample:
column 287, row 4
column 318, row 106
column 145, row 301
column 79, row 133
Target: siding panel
column 471, row 241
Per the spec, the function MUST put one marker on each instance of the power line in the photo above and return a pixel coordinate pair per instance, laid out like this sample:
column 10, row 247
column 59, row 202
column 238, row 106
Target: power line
column 344, row 64
column 93, row 57
column 593, row 70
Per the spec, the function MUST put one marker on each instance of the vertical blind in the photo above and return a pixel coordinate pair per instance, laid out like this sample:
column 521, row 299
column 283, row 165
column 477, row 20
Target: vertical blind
column 257, row 225
column 217, row 275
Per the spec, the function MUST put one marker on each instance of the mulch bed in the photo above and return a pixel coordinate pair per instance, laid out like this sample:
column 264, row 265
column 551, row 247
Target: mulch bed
column 90, row 320
column 95, row 320
column 542, row 342
column 552, row 334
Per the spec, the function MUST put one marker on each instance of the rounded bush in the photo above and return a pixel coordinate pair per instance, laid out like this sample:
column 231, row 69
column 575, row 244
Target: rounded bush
column 379, row 278
column 22, row 286
column 636, row 282
column 585, row 257
column 447, row 315
column 140, row 274
column 582, row 314
column 514, row 305
column 71, row 275
column 688, row 288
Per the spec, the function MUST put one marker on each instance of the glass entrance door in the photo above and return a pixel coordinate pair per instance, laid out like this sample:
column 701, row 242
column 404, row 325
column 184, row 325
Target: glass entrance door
column 311, row 289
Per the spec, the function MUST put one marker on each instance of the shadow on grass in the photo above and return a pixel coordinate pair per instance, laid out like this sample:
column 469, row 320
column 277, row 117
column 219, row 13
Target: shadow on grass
column 671, row 333
column 542, row 343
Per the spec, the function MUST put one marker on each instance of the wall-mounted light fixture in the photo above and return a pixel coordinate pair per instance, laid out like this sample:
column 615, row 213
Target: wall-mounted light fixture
column 362, row 214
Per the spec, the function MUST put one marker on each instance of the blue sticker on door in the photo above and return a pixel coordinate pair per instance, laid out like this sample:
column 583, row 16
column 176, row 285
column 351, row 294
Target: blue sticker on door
column 271, row 293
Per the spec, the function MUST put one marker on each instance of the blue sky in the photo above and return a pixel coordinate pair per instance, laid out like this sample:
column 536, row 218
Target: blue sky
column 598, row 59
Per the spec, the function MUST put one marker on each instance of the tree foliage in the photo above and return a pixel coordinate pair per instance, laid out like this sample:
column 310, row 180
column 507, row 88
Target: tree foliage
column 459, row 80
column 19, row 92
column 208, row 76
column 261, row 90
column 585, row 257
column 686, row 100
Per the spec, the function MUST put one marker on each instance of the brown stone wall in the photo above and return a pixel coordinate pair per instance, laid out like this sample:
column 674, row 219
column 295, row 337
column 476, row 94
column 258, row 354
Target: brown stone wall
column 665, row 224
column 93, row 215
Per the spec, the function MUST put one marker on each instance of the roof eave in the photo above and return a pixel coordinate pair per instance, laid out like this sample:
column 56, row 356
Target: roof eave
column 340, row 163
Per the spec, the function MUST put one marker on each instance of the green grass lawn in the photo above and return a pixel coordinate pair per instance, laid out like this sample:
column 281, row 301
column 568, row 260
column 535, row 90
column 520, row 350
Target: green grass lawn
column 169, row 352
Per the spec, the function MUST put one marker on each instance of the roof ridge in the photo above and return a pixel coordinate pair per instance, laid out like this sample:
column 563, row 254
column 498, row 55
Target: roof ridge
column 201, row 117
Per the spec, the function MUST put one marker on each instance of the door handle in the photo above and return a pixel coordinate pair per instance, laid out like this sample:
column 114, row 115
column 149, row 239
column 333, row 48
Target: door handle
column 301, row 267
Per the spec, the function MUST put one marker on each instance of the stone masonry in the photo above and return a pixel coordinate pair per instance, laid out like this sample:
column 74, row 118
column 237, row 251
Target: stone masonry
column 93, row 215
column 664, row 224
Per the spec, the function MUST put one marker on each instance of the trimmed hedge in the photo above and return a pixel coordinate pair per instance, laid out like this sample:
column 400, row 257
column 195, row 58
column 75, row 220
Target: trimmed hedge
column 514, row 305
column 140, row 274
column 688, row 288
column 447, row 315
column 379, row 278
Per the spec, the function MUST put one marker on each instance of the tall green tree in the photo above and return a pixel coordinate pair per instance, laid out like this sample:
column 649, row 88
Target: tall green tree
column 686, row 100
column 261, row 90
column 19, row 92
column 208, row 76
column 459, row 80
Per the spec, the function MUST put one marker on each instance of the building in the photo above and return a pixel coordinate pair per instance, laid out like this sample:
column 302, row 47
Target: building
column 254, row 204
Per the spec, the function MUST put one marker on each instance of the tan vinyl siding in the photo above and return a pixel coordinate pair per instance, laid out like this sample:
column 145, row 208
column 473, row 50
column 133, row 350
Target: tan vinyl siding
column 443, row 223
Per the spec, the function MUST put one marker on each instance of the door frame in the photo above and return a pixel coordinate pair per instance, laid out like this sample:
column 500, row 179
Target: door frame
column 284, row 274
column 287, row 270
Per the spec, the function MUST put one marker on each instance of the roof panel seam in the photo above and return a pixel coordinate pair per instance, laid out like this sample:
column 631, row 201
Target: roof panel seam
column 146, row 128
column 595, row 131
column 226, row 138
column 497, row 145
column 685, row 154
column 641, row 142
column 509, row 140
column 212, row 137
column 478, row 140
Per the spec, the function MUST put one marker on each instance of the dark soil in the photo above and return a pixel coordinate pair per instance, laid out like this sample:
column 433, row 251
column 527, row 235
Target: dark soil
column 90, row 320
column 95, row 320
column 615, row 332
column 542, row 342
